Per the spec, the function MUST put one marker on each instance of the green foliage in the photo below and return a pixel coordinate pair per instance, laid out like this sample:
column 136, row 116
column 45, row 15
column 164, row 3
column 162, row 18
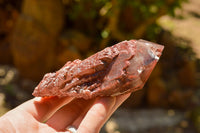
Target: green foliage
column 152, row 31
column 136, row 18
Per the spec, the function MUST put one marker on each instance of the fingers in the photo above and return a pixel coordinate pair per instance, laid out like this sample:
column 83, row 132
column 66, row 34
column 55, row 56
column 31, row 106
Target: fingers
column 100, row 112
column 19, row 121
column 87, row 115
column 42, row 108
column 44, row 128
column 74, row 112
column 69, row 113
column 92, row 122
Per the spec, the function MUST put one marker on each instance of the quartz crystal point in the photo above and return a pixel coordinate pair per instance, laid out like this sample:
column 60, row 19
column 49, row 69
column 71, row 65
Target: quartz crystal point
column 121, row 68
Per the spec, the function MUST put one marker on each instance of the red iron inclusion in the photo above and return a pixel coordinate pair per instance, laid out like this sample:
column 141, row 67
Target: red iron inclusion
column 121, row 68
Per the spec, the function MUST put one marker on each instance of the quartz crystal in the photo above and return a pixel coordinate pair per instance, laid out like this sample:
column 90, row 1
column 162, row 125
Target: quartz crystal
column 119, row 69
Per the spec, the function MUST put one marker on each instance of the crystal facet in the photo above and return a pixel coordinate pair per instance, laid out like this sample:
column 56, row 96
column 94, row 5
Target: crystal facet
column 121, row 68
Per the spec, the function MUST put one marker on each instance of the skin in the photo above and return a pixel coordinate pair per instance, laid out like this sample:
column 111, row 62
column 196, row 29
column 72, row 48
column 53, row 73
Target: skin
column 53, row 114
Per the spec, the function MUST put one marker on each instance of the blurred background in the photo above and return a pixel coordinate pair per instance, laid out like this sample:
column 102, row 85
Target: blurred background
column 40, row 36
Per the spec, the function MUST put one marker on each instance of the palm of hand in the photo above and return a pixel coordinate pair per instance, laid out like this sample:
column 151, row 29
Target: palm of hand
column 56, row 114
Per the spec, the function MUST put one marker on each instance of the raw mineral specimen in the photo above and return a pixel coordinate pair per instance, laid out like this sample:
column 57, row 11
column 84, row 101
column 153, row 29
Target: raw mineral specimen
column 122, row 68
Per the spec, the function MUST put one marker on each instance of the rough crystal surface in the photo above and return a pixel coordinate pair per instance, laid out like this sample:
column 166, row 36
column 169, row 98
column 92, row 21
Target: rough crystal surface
column 121, row 68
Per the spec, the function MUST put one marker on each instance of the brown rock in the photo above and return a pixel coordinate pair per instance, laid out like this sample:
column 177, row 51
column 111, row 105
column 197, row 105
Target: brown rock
column 35, row 37
column 49, row 13
column 32, row 47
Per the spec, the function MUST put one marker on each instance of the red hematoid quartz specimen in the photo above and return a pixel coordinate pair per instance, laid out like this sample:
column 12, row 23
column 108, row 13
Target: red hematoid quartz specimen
column 122, row 68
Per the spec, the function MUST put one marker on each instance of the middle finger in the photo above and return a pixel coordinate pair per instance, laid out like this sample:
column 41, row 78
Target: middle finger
column 69, row 113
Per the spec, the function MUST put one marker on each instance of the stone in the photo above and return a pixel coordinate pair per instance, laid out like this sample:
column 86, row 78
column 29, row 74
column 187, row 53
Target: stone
column 50, row 14
column 34, row 38
column 119, row 69
column 32, row 48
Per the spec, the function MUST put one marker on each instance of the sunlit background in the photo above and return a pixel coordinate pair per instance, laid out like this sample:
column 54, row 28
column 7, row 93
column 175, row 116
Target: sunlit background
column 40, row 36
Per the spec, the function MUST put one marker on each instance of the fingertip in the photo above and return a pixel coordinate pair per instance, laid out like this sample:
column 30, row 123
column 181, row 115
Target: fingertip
column 97, row 115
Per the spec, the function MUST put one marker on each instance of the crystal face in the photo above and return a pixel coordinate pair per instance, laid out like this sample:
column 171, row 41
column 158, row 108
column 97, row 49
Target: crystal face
column 121, row 68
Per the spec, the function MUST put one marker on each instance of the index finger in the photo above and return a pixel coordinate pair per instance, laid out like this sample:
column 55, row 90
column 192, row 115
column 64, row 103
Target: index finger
column 100, row 112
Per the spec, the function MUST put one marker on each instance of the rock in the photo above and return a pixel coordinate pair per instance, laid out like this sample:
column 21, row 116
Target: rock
column 35, row 37
column 122, row 68
column 49, row 14
column 32, row 48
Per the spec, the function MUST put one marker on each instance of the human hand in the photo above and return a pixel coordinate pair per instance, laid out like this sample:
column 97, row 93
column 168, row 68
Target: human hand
column 53, row 114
